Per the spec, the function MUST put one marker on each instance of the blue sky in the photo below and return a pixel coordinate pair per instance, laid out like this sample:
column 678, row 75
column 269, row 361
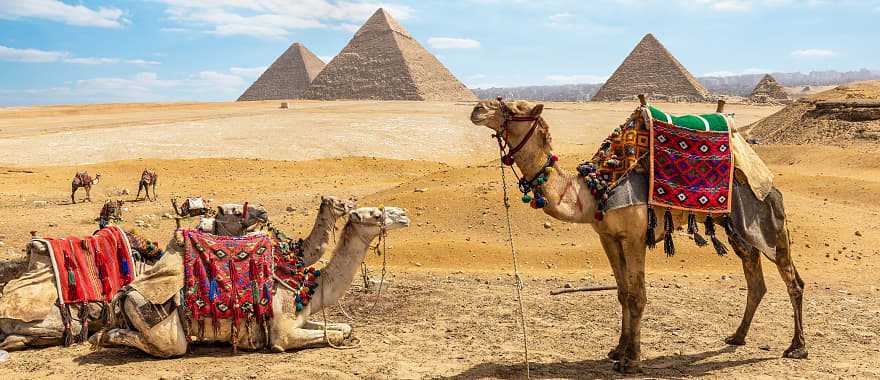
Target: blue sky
column 71, row 51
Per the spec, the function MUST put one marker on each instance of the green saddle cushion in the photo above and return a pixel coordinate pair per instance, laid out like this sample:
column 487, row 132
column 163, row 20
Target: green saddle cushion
column 716, row 122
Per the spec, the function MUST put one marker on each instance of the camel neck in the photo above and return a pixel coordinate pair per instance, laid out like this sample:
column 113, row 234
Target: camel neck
column 567, row 197
column 316, row 243
column 339, row 273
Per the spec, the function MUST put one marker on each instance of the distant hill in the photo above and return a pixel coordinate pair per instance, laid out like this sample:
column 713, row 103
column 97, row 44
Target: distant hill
column 738, row 85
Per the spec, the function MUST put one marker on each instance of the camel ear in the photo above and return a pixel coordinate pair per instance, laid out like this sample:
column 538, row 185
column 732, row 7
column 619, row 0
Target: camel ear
column 537, row 110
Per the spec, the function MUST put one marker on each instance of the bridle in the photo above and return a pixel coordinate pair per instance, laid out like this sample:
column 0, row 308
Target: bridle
column 507, row 153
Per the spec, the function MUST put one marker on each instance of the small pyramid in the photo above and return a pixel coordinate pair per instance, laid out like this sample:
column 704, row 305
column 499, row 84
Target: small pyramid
column 287, row 77
column 384, row 62
column 769, row 90
column 650, row 69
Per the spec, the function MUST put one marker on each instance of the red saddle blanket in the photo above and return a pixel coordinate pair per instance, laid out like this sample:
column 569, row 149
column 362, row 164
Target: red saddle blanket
column 91, row 269
column 227, row 277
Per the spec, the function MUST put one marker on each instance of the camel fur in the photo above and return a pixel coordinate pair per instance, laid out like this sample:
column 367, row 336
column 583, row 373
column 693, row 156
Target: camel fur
column 158, row 331
column 622, row 235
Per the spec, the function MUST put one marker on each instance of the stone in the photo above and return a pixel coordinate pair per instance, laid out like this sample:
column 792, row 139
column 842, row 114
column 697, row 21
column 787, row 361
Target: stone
column 41, row 204
column 421, row 190
column 290, row 209
column 858, row 233
column 384, row 62
column 765, row 347
column 287, row 77
column 548, row 225
column 650, row 69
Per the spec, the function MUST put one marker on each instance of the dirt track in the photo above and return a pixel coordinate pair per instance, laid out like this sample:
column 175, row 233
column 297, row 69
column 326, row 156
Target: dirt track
column 450, row 310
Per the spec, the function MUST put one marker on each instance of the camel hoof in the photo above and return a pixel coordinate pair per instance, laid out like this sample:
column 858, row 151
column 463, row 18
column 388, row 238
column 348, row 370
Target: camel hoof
column 615, row 354
column 277, row 349
column 734, row 340
column 795, row 353
column 628, row 366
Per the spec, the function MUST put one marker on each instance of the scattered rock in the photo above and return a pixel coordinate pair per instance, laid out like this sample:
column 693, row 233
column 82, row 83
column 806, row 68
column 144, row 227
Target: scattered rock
column 168, row 216
column 290, row 209
column 548, row 225
column 859, row 233
column 725, row 277
column 41, row 204
column 765, row 347
column 418, row 264
column 567, row 285
column 53, row 224
column 421, row 190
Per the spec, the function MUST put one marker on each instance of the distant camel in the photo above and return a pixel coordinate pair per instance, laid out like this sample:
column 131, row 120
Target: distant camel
column 84, row 180
column 148, row 178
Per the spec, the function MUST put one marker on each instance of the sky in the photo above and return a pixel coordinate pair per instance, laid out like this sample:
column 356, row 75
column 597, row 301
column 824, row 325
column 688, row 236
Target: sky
column 77, row 51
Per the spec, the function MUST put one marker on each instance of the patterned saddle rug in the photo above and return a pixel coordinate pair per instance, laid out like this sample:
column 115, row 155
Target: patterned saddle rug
column 89, row 270
column 689, row 162
column 227, row 277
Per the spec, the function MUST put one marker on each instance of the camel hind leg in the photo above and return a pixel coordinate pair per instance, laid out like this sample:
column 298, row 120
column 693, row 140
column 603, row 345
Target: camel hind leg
column 140, row 187
column 157, row 331
column 751, row 262
column 795, row 286
column 72, row 194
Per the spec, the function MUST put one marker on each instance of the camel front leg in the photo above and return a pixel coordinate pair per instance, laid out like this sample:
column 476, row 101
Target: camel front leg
column 72, row 194
column 140, row 187
column 157, row 332
column 155, row 196
column 634, row 260
column 89, row 193
column 614, row 252
column 751, row 262
column 304, row 338
column 343, row 327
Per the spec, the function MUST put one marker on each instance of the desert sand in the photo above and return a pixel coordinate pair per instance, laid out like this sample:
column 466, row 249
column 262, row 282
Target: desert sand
column 450, row 309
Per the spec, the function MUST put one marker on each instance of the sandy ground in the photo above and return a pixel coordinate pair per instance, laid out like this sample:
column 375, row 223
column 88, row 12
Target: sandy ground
column 450, row 310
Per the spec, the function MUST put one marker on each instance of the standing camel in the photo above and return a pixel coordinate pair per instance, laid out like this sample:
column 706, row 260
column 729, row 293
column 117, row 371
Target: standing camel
column 622, row 231
column 84, row 180
column 158, row 331
column 148, row 179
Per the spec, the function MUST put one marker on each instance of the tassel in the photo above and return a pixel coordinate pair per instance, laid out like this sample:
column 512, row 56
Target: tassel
column 213, row 291
column 124, row 267
column 84, row 320
column 67, row 335
column 650, row 239
column 720, row 249
column 668, row 244
column 694, row 231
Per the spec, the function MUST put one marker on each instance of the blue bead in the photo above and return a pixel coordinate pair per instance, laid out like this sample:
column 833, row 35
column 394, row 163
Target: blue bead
column 299, row 306
column 526, row 198
column 540, row 202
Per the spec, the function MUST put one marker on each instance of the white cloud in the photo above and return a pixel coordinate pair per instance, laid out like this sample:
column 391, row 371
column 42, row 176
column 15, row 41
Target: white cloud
column 248, row 72
column 813, row 53
column 273, row 18
column 45, row 56
column 30, row 55
column 453, row 43
column 575, row 79
column 326, row 58
column 54, row 10
column 570, row 21
column 726, row 73
column 142, row 87
column 732, row 6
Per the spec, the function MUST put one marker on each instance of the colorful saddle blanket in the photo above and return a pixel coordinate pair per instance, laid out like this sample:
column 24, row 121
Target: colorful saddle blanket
column 91, row 269
column 691, row 166
column 227, row 277
column 290, row 268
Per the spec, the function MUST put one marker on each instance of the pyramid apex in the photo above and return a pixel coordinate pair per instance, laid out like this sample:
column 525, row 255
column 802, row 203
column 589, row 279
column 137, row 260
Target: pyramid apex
column 381, row 21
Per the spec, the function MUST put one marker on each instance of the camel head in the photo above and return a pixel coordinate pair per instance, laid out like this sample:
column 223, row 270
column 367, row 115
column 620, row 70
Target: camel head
column 145, row 250
column 488, row 113
column 338, row 206
column 370, row 220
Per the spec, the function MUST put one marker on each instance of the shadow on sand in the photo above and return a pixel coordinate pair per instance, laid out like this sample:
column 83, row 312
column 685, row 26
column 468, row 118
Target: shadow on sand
column 673, row 366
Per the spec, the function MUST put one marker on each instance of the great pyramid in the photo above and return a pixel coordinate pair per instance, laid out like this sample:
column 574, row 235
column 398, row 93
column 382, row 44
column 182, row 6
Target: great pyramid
column 384, row 62
column 769, row 91
column 650, row 69
column 287, row 77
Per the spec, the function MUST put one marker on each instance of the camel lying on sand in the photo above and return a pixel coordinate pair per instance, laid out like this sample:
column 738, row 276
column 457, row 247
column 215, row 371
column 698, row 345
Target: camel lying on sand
column 29, row 316
column 622, row 231
column 158, row 331
column 37, row 323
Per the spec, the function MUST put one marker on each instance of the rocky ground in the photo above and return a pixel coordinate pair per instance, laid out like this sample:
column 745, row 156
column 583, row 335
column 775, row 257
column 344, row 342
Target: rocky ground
column 450, row 310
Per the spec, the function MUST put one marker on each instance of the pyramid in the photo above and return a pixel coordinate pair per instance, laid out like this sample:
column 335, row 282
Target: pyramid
column 650, row 69
column 287, row 77
column 384, row 62
column 769, row 90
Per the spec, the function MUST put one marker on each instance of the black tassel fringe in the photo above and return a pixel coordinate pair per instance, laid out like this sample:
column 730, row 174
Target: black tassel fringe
column 694, row 231
column 720, row 249
column 84, row 320
column 668, row 244
column 67, row 335
column 650, row 240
